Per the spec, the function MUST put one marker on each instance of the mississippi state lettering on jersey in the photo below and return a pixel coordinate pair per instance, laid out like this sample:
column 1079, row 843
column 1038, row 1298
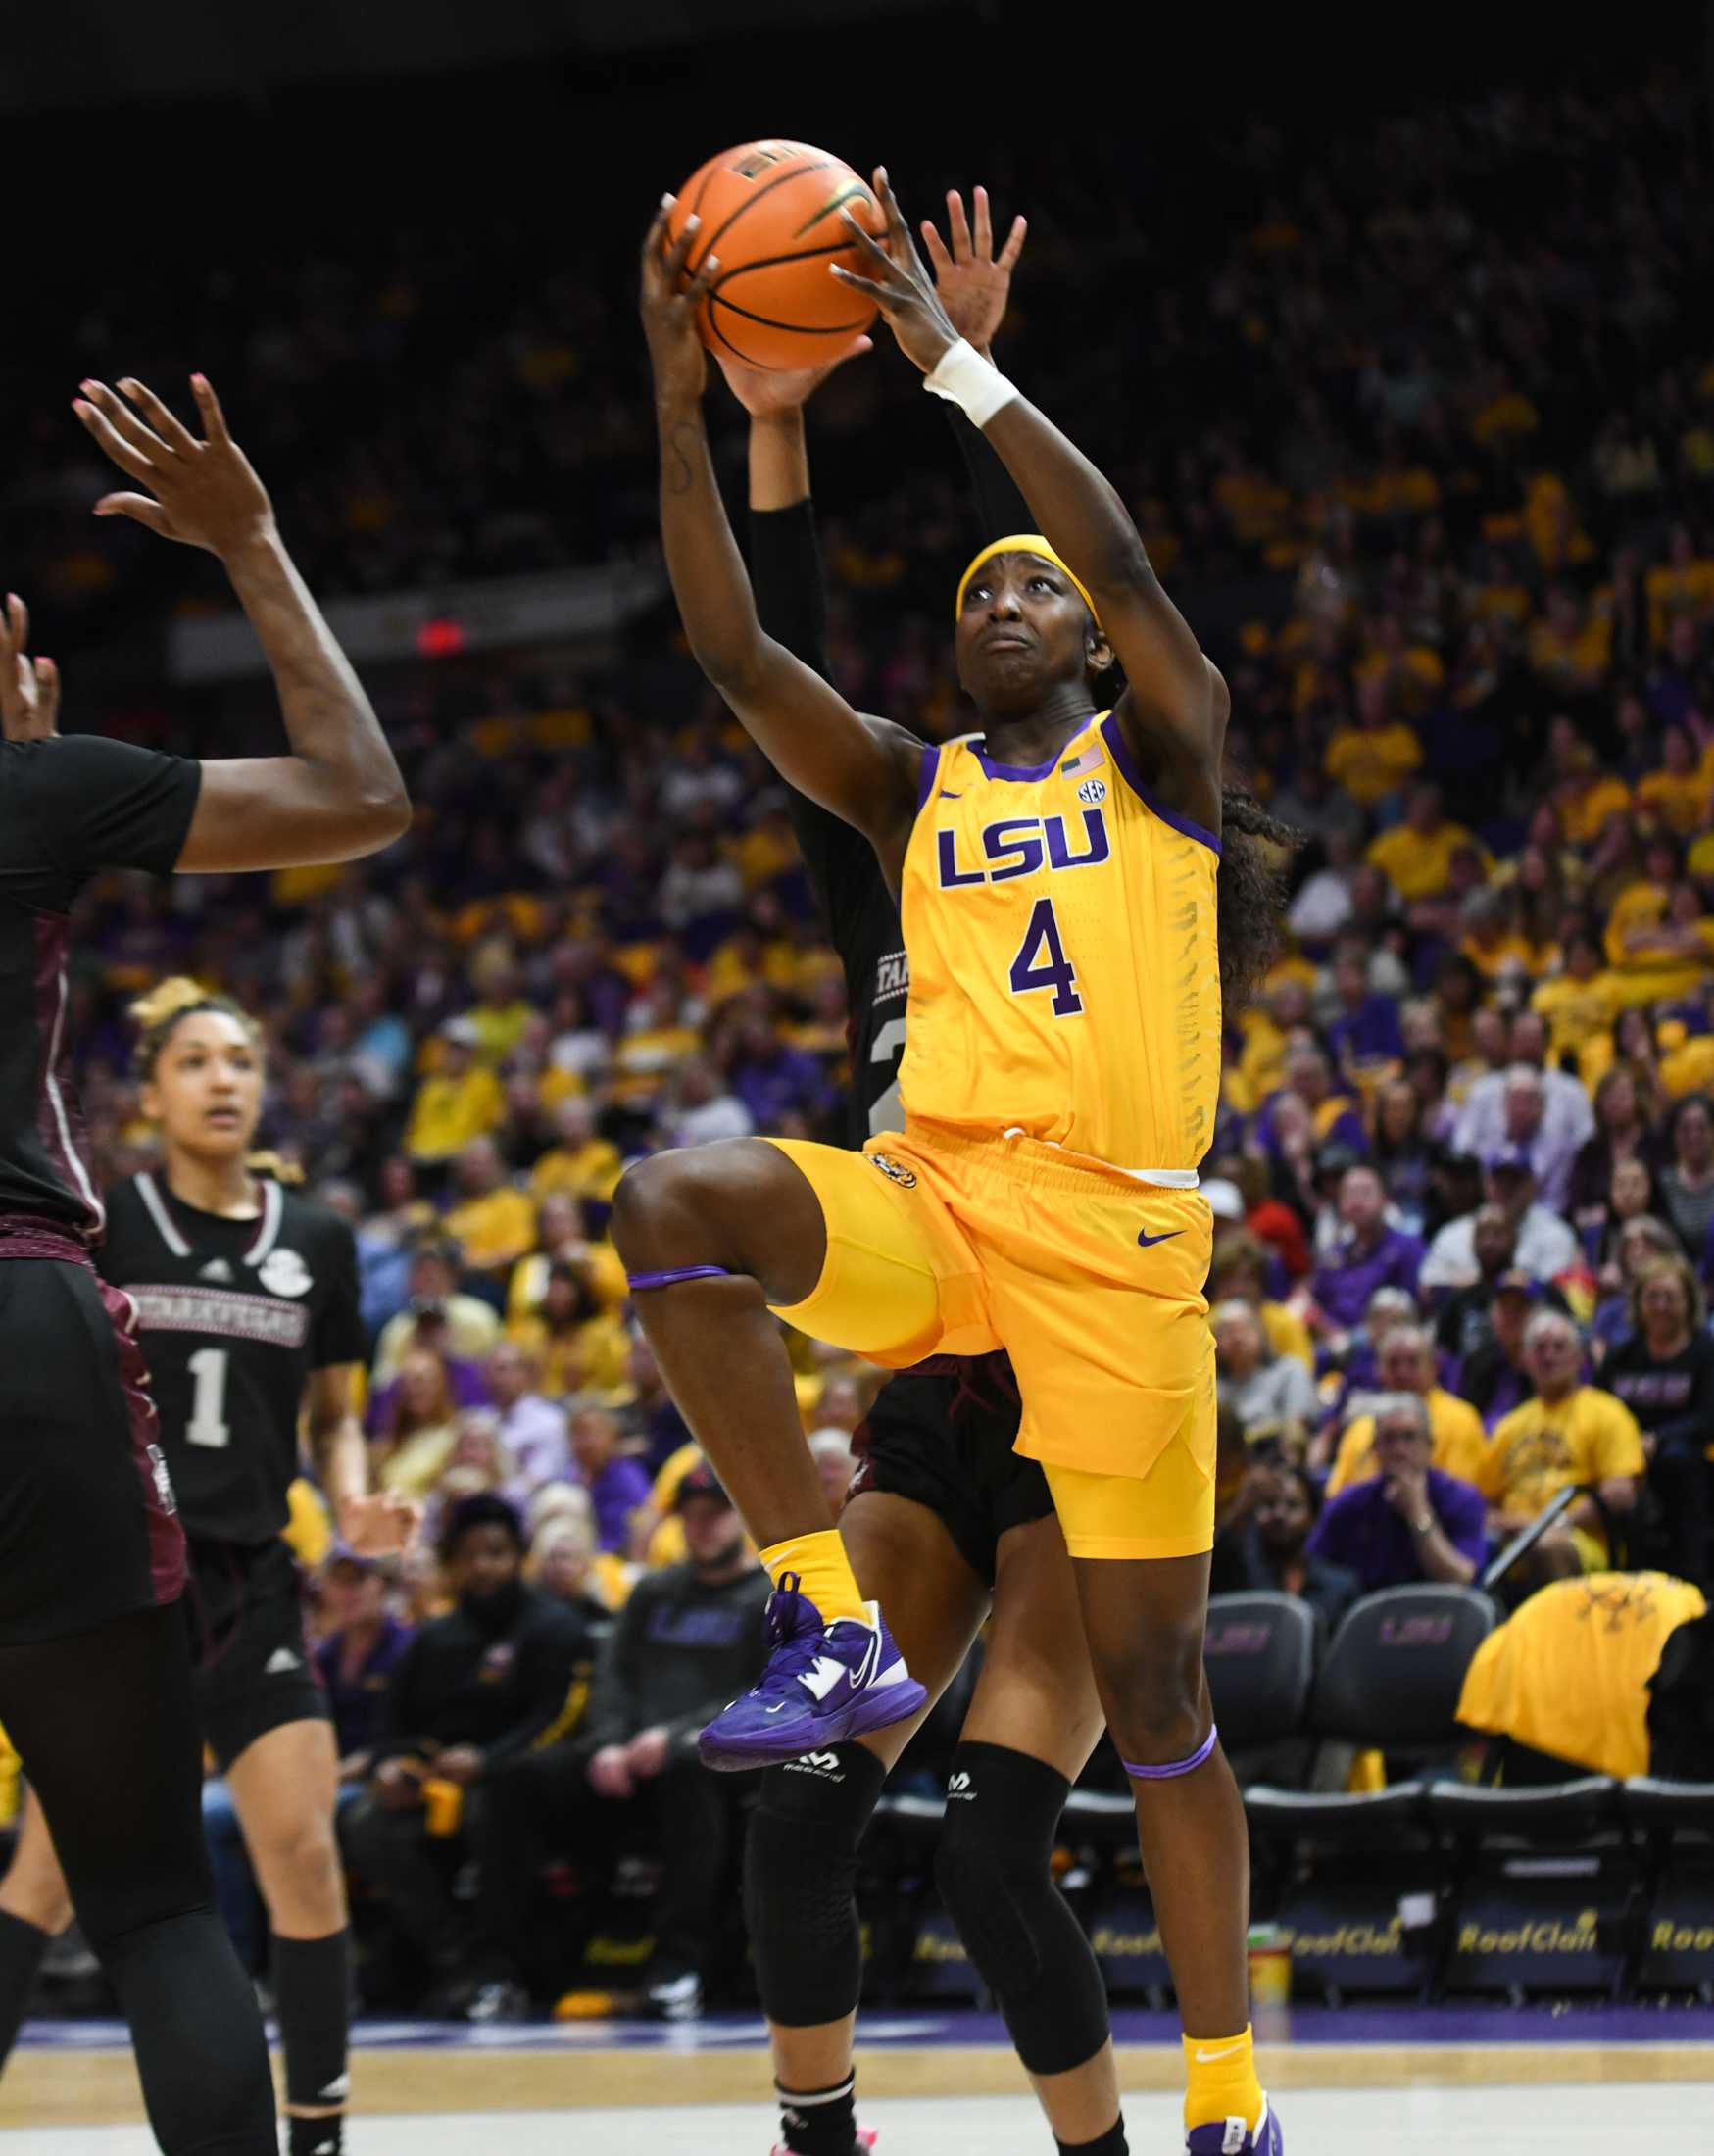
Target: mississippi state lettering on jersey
column 1064, row 969
column 70, row 806
column 233, row 1316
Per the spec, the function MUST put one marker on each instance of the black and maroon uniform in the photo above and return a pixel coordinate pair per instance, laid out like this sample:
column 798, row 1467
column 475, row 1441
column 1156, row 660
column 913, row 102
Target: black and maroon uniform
column 88, row 1525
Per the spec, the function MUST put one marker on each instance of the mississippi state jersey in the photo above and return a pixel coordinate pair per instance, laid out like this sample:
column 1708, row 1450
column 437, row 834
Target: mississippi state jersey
column 233, row 1316
column 68, row 806
column 1064, row 968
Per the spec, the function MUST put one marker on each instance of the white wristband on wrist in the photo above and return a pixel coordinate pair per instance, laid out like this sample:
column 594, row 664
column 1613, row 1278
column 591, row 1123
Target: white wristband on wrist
column 974, row 384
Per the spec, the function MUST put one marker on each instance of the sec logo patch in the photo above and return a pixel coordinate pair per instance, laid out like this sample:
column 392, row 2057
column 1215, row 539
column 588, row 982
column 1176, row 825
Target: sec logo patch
column 1092, row 790
column 905, row 1177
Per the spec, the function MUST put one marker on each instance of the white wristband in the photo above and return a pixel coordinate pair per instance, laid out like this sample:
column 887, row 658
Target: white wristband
column 974, row 384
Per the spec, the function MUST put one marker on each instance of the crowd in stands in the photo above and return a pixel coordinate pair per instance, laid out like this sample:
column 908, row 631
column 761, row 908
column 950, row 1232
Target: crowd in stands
column 1428, row 452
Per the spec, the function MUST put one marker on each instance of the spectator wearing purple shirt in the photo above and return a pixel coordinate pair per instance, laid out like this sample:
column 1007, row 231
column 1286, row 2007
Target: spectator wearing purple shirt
column 1334, row 1117
column 771, row 1079
column 1369, row 1255
column 357, row 1660
column 532, row 1428
column 1408, row 1523
column 616, row 1485
column 1366, row 1030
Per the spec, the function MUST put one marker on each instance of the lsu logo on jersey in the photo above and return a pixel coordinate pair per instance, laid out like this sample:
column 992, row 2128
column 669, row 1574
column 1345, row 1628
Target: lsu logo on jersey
column 1021, row 846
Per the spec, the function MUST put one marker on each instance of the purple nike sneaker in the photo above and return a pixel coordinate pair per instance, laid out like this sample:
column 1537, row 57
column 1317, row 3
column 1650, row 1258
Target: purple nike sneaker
column 1233, row 2137
column 822, row 1683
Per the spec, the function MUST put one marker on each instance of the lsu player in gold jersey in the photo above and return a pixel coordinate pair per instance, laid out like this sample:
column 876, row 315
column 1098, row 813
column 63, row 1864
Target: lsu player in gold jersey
column 1058, row 883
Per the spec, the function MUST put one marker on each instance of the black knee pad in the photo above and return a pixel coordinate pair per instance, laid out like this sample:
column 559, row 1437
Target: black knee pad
column 995, row 1870
column 800, row 1879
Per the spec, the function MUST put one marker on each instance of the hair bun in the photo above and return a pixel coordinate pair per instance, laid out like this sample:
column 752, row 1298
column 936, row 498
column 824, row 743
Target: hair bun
column 166, row 999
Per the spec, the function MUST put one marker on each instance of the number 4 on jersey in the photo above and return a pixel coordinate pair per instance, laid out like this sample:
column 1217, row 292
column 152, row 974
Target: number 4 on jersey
column 1055, row 968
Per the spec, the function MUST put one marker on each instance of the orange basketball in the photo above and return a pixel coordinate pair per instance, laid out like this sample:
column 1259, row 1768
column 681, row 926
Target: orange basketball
column 770, row 216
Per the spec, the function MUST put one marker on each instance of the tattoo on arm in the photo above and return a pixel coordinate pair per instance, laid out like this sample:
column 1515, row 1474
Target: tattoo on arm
column 680, row 479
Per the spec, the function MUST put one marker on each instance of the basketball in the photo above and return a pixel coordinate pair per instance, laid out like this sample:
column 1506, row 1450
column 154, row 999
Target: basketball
column 770, row 213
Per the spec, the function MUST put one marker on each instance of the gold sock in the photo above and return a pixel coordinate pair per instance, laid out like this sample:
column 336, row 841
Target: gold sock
column 1221, row 2080
column 823, row 1572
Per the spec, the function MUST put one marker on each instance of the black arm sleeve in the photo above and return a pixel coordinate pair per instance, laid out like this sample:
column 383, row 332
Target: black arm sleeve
column 785, row 572
column 339, row 1335
column 109, row 805
column 1001, row 508
column 791, row 602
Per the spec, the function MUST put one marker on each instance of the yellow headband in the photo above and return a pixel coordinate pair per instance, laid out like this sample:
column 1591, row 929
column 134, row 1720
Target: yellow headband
column 1023, row 542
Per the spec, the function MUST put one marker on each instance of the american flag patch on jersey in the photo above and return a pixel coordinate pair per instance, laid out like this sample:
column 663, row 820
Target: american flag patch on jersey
column 1075, row 767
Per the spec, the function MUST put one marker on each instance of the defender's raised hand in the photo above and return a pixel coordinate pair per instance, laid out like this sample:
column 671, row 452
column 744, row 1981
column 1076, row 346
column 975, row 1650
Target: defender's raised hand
column 202, row 493
column 29, row 688
column 670, row 301
column 974, row 284
column 899, row 284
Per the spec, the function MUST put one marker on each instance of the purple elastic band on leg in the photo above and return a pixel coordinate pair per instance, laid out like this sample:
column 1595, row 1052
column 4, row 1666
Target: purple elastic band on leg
column 1198, row 1758
column 674, row 1274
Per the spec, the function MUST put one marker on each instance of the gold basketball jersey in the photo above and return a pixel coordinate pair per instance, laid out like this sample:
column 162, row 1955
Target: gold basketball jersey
column 1064, row 972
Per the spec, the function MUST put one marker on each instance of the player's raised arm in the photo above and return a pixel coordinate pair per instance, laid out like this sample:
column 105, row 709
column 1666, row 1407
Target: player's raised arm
column 338, row 795
column 864, row 769
column 1174, row 702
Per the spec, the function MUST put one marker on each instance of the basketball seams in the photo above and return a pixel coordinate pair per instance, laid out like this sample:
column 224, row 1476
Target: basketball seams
column 796, row 328
column 780, row 180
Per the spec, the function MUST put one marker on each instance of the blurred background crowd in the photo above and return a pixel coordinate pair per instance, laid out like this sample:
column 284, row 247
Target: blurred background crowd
column 1418, row 423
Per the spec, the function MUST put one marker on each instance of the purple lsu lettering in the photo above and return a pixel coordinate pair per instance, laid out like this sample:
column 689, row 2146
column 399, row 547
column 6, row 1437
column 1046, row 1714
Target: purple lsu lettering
column 1018, row 845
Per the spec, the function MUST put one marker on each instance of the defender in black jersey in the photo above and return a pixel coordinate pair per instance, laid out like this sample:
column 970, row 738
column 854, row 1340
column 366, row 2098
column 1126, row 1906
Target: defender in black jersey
column 945, row 1524
column 95, row 1680
column 245, row 1296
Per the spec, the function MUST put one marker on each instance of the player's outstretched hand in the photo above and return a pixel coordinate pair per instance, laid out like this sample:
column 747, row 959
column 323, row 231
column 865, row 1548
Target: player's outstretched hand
column 379, row 1526
column 29, row 688
column 765, row 391
column 671, row 297
column 202, row 493
column 899, row 284
column 973, row 282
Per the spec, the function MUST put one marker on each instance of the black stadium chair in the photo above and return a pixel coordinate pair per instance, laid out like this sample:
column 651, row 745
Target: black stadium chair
column 1346, row 1870
column 1672, row 1827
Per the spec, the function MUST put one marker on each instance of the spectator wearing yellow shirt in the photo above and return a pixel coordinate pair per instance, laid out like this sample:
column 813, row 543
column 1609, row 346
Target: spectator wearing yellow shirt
column 562, row 1237
column 579, row 1163
column 437, row 1316
column 1654, row 933
column 657, row 1041
column 1570, row 1434
column 1416, row 855
column 493, row 1223
column 579, row 1346
column 459, row 1101
column 1580, row 1003
column 1375, row 757
column 500, row 1015
column 1583, row 795
column 1683, row 584
column 1678, row 793
column 1569, row 648
column 1405, row 1364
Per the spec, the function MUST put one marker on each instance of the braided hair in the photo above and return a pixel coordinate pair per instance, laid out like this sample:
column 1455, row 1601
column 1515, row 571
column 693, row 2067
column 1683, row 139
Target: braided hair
column 1255, row 859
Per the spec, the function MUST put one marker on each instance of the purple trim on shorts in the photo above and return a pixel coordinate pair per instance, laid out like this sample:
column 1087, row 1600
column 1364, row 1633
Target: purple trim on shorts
column 1199, row 1758
column 931, row 764
column 674, row 1274
column 1114, row 736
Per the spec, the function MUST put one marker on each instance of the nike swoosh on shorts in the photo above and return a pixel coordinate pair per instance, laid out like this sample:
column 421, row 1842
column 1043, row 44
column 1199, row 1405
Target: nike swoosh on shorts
column 1146, row 1241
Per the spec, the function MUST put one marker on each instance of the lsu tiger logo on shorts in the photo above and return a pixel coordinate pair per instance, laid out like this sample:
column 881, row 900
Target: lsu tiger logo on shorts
column 905, row 1177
